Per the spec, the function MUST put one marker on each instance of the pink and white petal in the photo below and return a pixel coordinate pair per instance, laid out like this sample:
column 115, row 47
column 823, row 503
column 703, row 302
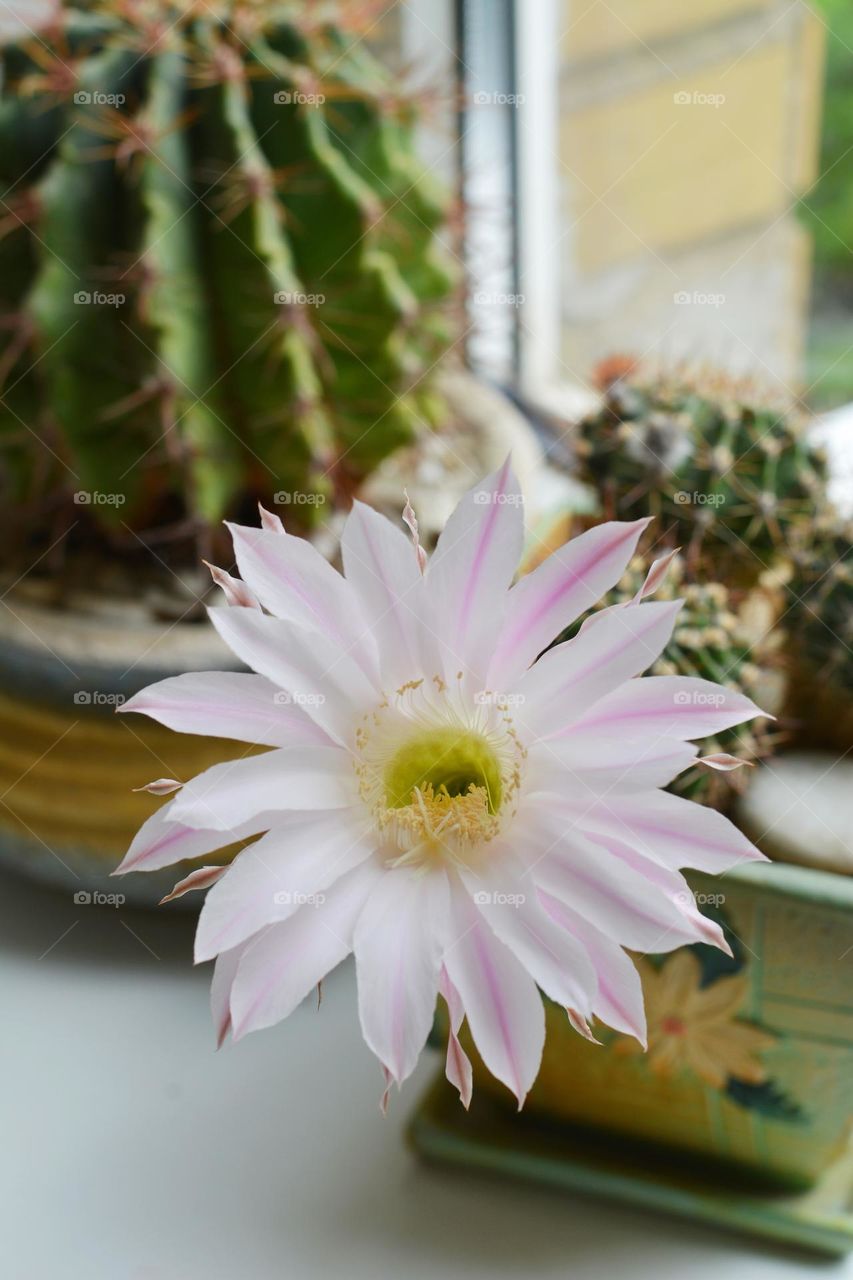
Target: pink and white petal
column 672, row 831
column 502, row 1003
column 568, row 680
column 161, row 840
column 457, row 1065
column 546, row 601
column 381, row 566
column 471, row 569
column 588, row 765
column 677, row 706
column 619, row 1002
column 613, row 896
column 295, row 582
column 286, row 778
column 224, row 973
column 280, row 966
column 557, row 962
column 270, row 881
column 398, row 945
column 228, row 704
column 322, row 680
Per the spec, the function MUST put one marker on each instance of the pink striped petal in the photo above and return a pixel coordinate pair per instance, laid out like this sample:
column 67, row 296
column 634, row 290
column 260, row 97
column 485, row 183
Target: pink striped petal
column 595, row 766
column 656, row 575
column 228, row 704
column 286, row 869
column 677, row 706
column 471, row 569
column 502, row 1004
column 284, row 779
column 612, row 895
column 671, row 831
column 161, row 841
column 284, row 963
column 397, row 946
column 619, row 1001
column 237, row 594
column 568, row 680
column 546, row 601
column 382, row 568
column 295, row 582
column 321, row 680
column 554, row 959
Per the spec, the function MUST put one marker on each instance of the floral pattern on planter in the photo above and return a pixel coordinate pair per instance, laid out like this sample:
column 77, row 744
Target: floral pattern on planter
column 694, row 1008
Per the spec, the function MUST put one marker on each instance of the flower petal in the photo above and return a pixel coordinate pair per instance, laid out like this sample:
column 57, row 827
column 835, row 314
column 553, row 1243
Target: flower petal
column 320, row 678
column 555, row 960
column 287, row 778
column 672, row 831
column 275, row 876
column 381, row 565
column 568, row 680
column 228, row 704
column 201, row 878
column 502, row 1004
column 295, row 582
column 397, row 946
column 678, row 706
column 546, row 601
column 471, row 569
column 280, row 966
column 613, row 896
column 457, row 1065
column 224, row 972
column 593, row 766
column 162, row 841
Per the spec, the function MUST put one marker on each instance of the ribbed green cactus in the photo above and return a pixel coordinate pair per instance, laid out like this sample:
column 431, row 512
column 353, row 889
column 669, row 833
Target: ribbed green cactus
column 723, row 473
column 219, row 269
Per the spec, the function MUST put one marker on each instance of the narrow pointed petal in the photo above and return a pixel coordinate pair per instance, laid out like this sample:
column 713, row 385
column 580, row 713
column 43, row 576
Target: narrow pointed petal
column 677, row 706
column 397, row 948
column 380, row 565
column 321, row 680
column 457, row 1065
column 161, row 840
column 546, row 601
column 295, row 582
column 270, row 521
column 271, row 880
column 161, row 787
column 284, row 779
column 284, row 963
column 558, row 963
column 568, row 680
column 224, row 973
column 656, row 575
column 228, row 704
column 722, row 762
column 237, row 594
column 471, row 569
column 502, row 1004
column 619, row 1001
column 202, row 878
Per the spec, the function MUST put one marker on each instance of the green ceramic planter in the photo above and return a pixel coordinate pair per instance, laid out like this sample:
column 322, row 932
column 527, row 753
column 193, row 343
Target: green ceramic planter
column 750, row 1060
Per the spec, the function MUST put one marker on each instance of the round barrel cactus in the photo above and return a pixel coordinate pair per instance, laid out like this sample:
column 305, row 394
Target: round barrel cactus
column 725, row 473
column 220, row 273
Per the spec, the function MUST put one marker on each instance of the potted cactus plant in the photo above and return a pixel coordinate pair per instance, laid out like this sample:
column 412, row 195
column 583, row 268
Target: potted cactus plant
column 221, row 281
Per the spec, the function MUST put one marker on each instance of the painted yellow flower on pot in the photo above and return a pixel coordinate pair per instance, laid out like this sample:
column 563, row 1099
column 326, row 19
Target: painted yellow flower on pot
column 696, row 1028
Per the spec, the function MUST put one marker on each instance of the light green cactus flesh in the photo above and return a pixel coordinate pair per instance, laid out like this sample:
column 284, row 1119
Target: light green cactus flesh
column 220, row 265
